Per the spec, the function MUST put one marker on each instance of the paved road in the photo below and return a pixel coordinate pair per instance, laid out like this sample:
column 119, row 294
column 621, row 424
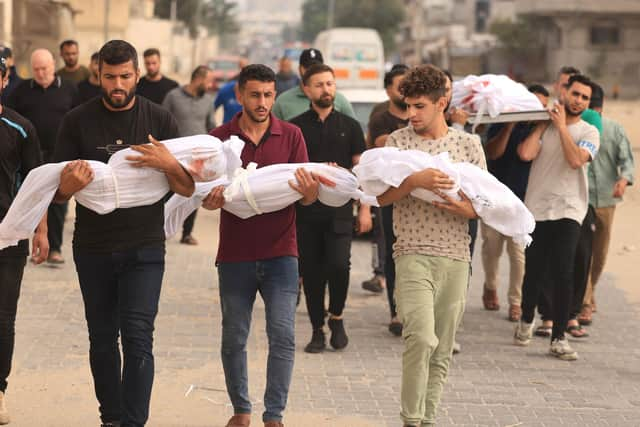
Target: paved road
column 491, row 383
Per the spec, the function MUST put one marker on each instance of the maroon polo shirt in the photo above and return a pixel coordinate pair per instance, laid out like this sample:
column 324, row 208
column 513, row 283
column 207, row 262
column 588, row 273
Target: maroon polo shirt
column 272, row 234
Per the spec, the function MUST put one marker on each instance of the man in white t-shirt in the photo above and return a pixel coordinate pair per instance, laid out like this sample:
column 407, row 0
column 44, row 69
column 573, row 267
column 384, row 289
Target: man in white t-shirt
column 557, row 196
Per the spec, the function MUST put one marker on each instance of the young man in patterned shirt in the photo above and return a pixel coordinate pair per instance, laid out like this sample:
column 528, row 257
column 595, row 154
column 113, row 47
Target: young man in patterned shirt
column 432, row 247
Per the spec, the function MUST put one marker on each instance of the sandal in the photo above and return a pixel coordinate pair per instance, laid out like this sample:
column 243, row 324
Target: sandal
column 543, row 331
column 577, row 331
column 515, row 312
column 585, row 316
column 490, row 300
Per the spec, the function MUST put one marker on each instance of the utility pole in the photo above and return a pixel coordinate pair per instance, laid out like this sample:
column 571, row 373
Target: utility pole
column 107, row 6
column 330, row 13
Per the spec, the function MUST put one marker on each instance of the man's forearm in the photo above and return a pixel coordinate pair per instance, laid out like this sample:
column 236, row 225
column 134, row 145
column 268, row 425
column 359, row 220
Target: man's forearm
column 180, row 182
column 572, row 153
column 394, row 194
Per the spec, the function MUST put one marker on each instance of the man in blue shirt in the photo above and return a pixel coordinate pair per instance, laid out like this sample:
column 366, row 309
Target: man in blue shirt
column 227, row 99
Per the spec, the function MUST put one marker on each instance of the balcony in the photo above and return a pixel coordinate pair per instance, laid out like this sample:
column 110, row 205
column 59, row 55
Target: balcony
column 554, row 7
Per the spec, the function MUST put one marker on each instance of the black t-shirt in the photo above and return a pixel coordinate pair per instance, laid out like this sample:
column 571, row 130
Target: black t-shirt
column 83, row 131
column 337, row 139
column 509, row 168
column 384, row 123
column 19, row 153
column 45, row 108
column 155, row 91
column 87, row 91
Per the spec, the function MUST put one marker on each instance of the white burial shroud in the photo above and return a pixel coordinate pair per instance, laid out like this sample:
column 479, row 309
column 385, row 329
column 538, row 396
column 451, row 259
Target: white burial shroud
column 117, row 184
column 494, row 202
column 254, row 191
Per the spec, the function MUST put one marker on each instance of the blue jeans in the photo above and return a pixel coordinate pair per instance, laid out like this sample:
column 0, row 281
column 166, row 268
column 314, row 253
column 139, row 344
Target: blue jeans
column 277, row 281
column 121, row 292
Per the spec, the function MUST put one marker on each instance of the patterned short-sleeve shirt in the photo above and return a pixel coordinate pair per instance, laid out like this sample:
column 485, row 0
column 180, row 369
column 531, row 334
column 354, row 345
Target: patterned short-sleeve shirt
column 420, row 227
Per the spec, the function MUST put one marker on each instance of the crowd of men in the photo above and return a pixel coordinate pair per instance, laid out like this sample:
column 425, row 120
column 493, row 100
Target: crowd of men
column 570, row 171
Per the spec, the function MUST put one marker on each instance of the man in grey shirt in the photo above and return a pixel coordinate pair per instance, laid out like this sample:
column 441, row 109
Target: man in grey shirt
column 192, row 106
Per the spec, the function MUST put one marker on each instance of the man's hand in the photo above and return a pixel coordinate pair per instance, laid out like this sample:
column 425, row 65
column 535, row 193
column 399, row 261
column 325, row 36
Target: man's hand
column 431, row 179
column 619, row 187
column 462, row 207
column 215, row 199
column 74, row 177
column 40, row 245
column 558, row 115
column 458, row 115
column 154, row 155
column 364, row 224
column 308, row 185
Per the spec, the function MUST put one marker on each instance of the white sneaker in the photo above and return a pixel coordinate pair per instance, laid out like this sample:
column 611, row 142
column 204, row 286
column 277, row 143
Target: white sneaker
column 4, row 412
column 561, row 349
column 523, row 333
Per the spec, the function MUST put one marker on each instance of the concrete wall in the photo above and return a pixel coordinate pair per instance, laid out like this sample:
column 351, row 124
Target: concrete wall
column 608, row 65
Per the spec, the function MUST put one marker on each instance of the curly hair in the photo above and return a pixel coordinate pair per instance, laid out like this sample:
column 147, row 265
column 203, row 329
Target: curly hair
column 424, row 80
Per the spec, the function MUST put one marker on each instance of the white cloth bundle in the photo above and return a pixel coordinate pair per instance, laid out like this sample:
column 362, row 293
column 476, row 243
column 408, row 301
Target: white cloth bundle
column 117, row 184
column 494, row 202
column 254, row 191
column 493, row 94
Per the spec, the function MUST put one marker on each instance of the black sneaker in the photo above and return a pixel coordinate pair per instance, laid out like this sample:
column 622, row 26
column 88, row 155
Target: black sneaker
column 317, row 343
column 339, row 338
column 112, row 424
column 395, row 328
column 373, row 285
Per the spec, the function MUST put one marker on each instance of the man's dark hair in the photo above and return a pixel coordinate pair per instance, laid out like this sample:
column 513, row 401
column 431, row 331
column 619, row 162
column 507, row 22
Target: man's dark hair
column 69, row 42
column 396, row 70
column 448, row 74
column 567, row 69
column 150, row 52
column 258, row 72
column 95, row 56
column 424, row 80
column 597, row 96
column 115, row 52
column 316, row 69
column 538, row 88
column 580, row 78
column 200, row 72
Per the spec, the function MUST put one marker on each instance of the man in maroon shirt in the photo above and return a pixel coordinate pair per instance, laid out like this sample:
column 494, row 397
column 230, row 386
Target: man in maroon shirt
column 259, row 254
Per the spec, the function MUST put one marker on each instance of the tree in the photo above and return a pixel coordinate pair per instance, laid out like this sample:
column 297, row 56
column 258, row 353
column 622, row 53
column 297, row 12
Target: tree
column 382, row 15
column 218, row 16
column 519, row 37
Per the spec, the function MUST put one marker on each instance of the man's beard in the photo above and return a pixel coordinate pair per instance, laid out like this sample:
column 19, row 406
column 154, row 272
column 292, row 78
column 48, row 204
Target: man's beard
column 571, row 113
column 200, row 91
column 71, row 64
column 153, row 75
column 399, row 103
column 255, row 118
column 118, row 104
column 325, row 101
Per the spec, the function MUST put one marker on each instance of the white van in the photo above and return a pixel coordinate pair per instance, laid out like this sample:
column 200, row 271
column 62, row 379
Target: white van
column 356, row 56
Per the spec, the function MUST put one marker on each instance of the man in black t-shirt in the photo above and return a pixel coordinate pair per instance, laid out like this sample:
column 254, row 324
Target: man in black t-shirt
column 119, row 256
column 44, row 100
column 325, row 233
column 90, row 88
column 154, row 86
column 380, row 126
column 19, row 153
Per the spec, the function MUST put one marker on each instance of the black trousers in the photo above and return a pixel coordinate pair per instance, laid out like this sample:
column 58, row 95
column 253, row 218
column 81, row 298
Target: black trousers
column 325, row 253
column 583, row 261
column 389, row 263
column 121, row 291
column 187, row 225
column 11, row 270
column 379, row 248
column 551, row 257
column 55, row 221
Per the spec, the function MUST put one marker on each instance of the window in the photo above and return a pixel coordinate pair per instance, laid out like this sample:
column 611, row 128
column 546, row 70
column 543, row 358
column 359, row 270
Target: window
column 605, row 35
